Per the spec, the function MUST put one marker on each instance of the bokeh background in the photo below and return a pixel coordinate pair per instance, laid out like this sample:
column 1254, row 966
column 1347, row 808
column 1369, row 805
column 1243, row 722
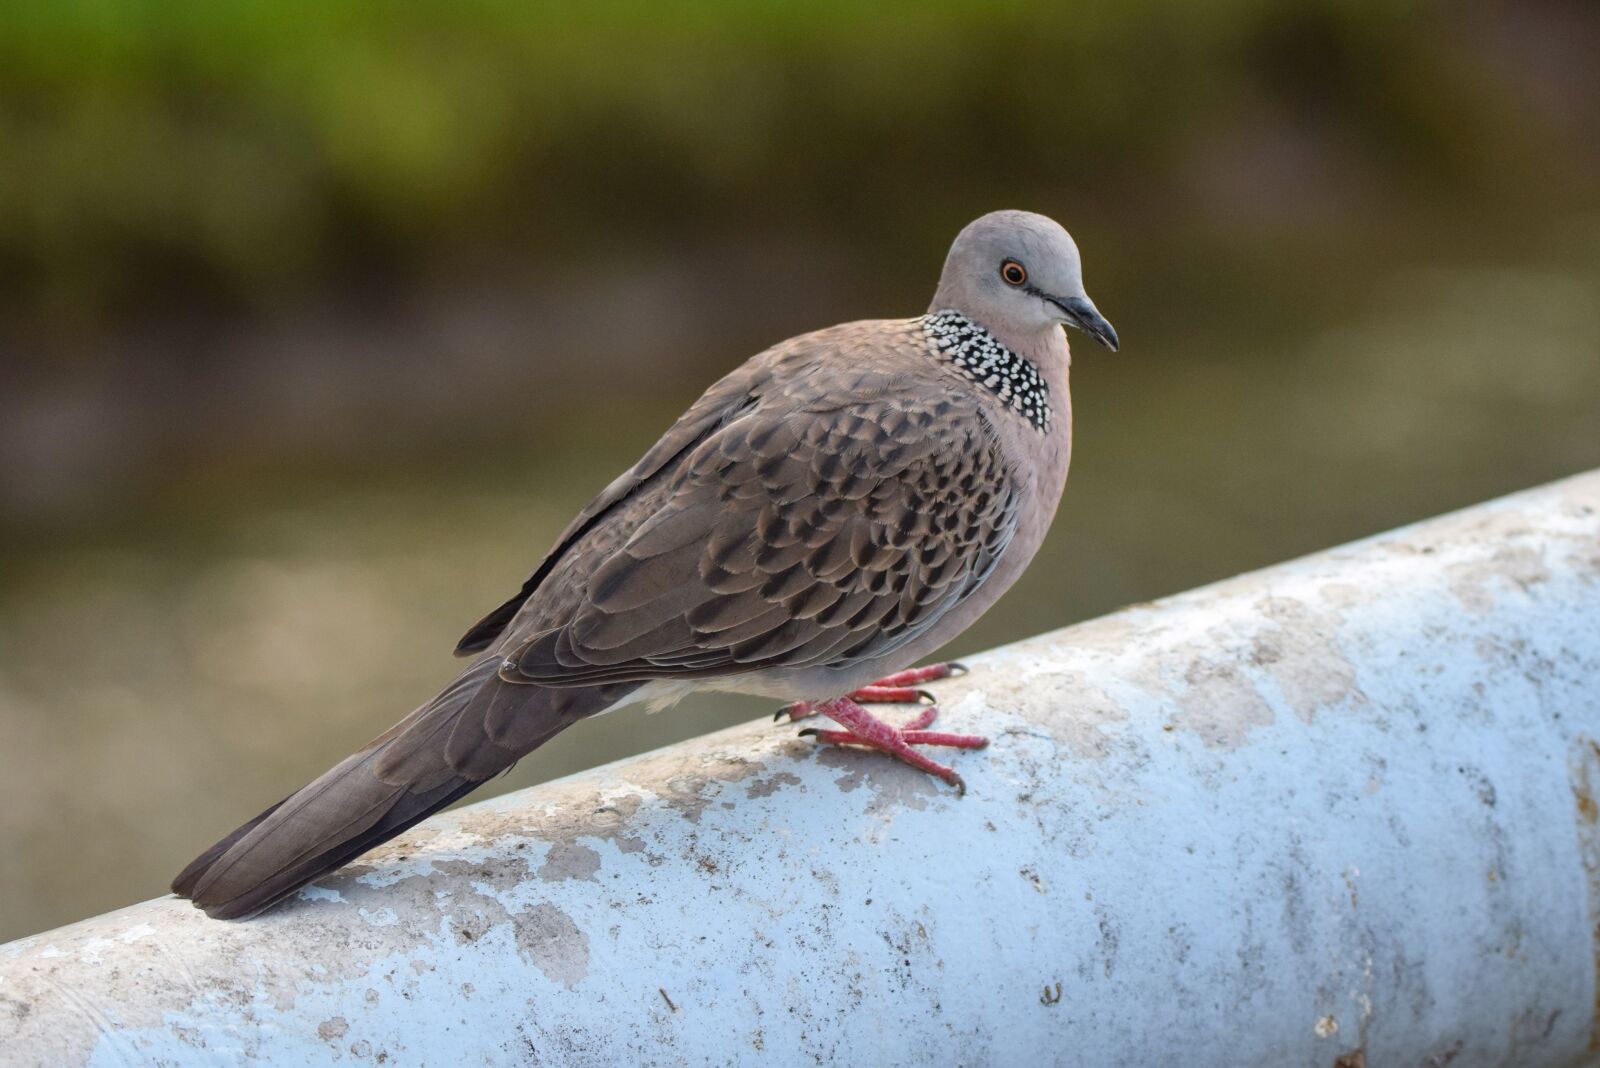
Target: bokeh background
column 319, row 320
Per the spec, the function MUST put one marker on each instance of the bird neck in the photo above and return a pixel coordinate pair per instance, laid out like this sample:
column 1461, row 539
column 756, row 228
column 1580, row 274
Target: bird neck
column 1020, row 380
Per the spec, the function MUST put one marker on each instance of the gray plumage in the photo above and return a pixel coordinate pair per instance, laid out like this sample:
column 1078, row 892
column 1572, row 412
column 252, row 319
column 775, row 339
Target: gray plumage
column 836, row 508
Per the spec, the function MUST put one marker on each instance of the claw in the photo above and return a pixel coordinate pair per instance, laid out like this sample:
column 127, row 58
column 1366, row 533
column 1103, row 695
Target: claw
column 912, row 676
column 862, row 728
column 899, row 688
column 796, row 711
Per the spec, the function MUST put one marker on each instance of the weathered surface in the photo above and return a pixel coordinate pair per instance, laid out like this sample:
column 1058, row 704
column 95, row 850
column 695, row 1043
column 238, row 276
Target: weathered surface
column 1341, row 811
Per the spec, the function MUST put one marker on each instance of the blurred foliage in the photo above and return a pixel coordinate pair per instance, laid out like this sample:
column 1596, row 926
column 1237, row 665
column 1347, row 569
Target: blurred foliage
column 243, row 152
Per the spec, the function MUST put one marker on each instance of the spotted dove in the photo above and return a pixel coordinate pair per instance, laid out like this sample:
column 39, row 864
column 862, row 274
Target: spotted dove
column 843, row 504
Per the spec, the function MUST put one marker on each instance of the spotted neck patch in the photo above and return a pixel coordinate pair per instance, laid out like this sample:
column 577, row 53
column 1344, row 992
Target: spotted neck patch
column 980, row 357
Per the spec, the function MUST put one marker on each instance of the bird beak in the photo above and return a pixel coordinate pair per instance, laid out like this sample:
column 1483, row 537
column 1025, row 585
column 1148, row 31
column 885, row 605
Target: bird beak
column 1081, row 313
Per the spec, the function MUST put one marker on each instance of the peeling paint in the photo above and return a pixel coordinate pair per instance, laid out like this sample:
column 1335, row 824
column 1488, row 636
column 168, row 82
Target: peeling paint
column 570, row 860
column 1302, row 655
column 549, row 939
column 687, row 781
column 1220, row 704
column 1585, row 789
column 1474, row 582
column 768, row 787
column 892, row 785
column 1085, row 714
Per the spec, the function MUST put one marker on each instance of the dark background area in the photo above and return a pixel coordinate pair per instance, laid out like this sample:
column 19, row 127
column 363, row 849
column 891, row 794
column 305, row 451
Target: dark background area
column 319, row 321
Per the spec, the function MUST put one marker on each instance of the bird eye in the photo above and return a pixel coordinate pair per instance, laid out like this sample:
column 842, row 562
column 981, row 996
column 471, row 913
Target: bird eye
column 1013, row 273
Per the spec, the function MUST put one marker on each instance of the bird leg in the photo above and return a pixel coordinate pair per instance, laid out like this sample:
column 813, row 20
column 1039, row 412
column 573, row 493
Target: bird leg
column 863, row 728
column 899, row 688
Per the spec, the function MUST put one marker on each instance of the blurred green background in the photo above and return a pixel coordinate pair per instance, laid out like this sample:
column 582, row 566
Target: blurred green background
column 319, row 320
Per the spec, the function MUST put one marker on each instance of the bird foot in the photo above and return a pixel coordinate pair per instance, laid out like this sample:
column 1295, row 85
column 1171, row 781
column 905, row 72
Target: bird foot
column 899, row 688
column 863, row 728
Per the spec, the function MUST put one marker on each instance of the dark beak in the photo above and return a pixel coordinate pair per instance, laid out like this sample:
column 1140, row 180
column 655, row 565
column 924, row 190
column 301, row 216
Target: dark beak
column 1082, row 313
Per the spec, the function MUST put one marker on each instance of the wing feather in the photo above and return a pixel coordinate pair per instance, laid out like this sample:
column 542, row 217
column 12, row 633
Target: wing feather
column 792, row 536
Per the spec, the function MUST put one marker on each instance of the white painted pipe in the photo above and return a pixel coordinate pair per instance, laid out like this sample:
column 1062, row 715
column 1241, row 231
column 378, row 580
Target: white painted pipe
column 1339, row 812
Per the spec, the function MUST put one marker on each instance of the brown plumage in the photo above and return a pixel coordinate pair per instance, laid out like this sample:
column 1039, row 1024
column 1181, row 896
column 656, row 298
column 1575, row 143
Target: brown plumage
column 837, row 507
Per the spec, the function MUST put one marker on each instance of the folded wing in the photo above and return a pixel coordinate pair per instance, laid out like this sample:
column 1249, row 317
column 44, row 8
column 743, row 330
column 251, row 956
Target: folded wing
column 794, row 536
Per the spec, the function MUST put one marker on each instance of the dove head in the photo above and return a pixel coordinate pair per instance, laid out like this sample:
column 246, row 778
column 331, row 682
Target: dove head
column 1018, row 274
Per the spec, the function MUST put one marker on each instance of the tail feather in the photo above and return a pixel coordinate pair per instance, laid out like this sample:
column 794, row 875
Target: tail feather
column 434, row 756
column 184, row 884
column 273, row 888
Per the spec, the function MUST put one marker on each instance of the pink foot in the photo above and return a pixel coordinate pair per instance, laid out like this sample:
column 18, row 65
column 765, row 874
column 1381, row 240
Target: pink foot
column 899, row 688
column 863, row 728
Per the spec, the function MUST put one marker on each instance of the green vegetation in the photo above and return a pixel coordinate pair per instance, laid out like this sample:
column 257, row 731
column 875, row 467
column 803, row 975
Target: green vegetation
column 250, row 151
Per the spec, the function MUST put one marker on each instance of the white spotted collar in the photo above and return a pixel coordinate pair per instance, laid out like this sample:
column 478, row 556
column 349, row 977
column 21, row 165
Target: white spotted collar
column 979, row 356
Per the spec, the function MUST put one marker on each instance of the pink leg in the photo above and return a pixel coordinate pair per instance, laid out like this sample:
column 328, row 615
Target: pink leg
column 899, row 688
column 877, row 694
column 921, row 722
column 863, row 728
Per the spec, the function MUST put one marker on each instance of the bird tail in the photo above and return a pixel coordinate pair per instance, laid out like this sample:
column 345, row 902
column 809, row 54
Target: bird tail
column 478, row 727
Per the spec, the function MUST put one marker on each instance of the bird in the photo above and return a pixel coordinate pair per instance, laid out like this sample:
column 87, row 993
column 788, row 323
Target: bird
column 834, row 510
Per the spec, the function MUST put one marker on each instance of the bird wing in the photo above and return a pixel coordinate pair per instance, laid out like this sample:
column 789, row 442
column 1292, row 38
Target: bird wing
column 713, row 409
column 798, row 533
